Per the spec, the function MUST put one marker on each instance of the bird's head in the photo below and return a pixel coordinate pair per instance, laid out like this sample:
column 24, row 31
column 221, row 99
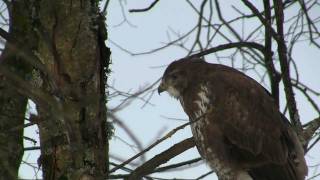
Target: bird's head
column 175, row 78
column 174, row 82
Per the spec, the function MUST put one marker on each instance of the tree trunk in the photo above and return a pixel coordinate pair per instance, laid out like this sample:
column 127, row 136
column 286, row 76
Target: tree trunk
column 73, row 132
column 13, row 104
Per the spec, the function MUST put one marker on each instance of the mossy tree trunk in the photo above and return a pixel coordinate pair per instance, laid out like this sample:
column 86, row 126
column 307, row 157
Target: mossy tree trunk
column 13, row 104
column 73, row 129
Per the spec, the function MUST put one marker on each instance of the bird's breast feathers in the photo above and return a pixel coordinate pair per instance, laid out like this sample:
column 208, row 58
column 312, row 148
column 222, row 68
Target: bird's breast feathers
column 200, row 102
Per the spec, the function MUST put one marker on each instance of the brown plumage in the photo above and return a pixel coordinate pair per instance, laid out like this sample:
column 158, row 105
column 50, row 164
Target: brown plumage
column 237, row 127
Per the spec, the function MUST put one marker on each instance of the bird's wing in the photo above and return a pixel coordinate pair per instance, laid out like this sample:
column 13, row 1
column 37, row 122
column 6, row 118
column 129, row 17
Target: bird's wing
column 248, row 116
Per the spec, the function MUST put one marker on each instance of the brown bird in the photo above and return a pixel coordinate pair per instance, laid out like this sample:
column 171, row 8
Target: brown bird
column 236, row 124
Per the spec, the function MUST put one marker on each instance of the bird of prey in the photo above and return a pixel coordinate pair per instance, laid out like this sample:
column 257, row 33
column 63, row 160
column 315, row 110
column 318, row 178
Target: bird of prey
column 236, row 124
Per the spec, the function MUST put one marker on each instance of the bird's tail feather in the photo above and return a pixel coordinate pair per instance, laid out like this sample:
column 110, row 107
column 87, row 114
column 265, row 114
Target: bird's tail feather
column 275, row 172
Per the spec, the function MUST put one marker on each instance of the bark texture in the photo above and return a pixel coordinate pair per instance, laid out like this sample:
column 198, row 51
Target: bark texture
column 13, row 104
column 73, row 130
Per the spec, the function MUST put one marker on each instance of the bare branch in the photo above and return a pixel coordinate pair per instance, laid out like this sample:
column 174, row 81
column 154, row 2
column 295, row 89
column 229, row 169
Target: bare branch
column 32, row 148
column 156, row 49
column 197, row 40
column 273, row 74
column 253, row 45
column 310, row 23
column 205, row 175
column 161, row 158
column 261, row 18
column 25, row 88
column 145, row 9
column 28, row 56
column 168, row 135
column 284, row 64
column 129, row 132
column 178, row 165
column 311, row 128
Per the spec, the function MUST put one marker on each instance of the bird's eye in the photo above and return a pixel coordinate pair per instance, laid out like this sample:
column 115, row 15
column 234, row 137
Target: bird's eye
column 174, row 76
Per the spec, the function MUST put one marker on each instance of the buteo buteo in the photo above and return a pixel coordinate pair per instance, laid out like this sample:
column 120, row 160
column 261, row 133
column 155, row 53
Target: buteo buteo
column 236, row 125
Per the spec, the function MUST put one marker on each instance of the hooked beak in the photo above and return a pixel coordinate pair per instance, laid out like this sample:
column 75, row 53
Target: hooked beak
column 161, row 88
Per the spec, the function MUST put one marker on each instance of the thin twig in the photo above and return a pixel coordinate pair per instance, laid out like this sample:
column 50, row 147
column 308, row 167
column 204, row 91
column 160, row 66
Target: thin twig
column 177, row 165
column 145, row 9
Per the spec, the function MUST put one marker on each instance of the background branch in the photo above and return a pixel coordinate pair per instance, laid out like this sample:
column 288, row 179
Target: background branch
column 145, row 9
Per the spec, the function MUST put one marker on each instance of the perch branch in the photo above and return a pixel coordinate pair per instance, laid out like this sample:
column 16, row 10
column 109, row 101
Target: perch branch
column 168, row 135
column 161, row 158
